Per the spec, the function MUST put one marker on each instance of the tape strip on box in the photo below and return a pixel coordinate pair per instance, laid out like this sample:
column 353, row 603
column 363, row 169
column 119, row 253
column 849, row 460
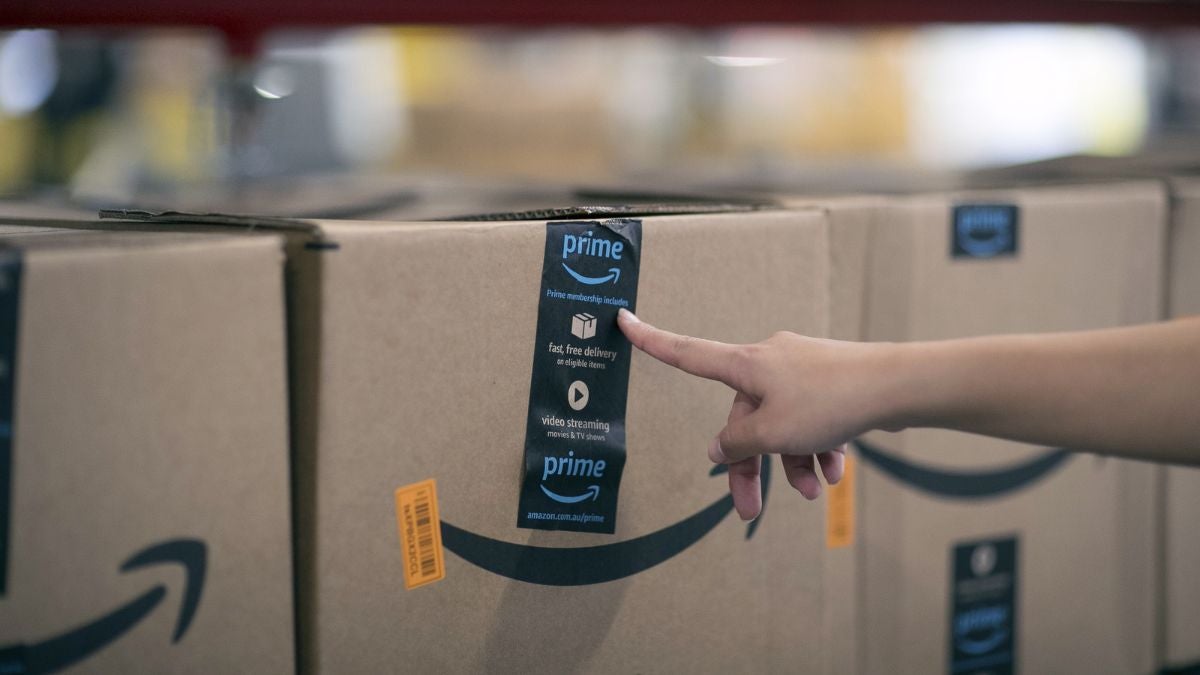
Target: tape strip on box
column 575, row 432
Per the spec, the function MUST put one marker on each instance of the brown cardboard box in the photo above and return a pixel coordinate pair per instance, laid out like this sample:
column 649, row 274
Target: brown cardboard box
column 412, row 348
column 967, row 541
column 148, row 514
column 1179, row 643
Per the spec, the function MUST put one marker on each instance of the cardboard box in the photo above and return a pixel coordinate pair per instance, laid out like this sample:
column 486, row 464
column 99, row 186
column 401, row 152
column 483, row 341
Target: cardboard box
column 1178, row 169
column 425, row 344
column 413, row 347
column 145, row 476
column 981, row 555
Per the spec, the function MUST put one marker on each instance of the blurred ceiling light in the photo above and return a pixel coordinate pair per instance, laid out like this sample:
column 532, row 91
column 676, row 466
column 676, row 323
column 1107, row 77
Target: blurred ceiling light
column 274, row 82
column 366, row 95
column 1000, row 94
column 28, row 70
column 744, row 61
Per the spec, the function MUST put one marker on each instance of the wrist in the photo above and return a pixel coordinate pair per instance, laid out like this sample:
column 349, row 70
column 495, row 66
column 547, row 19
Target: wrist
column 902, row 389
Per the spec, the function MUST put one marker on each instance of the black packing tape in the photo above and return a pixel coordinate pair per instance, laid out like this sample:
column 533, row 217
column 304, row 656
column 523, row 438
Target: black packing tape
column 985, row 231
column 983, row 607
column 575, row 432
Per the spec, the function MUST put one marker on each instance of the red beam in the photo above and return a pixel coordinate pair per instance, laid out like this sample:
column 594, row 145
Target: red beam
column 240, row 17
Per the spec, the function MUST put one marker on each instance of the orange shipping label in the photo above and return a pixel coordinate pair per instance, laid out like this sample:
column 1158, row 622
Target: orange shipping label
column 420, row 533
column 839, row 518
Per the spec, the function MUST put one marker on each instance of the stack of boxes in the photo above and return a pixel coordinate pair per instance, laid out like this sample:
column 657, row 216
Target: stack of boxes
column 485, row 477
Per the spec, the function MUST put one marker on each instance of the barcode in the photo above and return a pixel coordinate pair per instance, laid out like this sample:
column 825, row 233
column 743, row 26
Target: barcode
column 420, row 535
column 425, row 551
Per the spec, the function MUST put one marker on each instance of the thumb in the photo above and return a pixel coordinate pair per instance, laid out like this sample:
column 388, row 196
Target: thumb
column 741, row 438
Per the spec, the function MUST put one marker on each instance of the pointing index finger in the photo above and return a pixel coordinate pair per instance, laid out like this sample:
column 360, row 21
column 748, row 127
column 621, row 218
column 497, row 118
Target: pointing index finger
column 703, row 358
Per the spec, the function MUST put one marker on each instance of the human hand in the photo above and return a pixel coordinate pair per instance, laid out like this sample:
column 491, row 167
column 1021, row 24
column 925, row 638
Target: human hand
column 799, row 397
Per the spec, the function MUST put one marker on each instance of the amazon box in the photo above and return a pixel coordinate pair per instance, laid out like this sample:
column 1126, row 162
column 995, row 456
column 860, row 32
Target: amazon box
column 1179, row 171
column 144, row 519
column 979, row 555
column 488, row 481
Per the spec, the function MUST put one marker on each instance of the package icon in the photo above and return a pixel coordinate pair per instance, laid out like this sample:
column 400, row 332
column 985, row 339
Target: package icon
column 583, row 326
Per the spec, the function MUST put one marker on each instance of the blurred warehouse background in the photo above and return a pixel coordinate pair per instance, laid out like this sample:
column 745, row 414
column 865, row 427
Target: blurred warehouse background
column 105, row 117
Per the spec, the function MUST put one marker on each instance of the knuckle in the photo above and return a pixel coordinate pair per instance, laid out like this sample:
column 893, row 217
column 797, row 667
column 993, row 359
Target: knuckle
column 744, row 357
column 753, row 361
column 744, row 468
column 736, row 446
column 729, row 440
column 771, row 437
column 781, row 336
column 757, row 435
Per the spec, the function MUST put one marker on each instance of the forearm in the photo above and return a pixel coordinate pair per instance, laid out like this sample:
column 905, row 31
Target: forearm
column 1133, row 392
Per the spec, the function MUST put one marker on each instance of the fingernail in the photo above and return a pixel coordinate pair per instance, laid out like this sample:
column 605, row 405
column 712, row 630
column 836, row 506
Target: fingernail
column 715, row 453
column 627, row 315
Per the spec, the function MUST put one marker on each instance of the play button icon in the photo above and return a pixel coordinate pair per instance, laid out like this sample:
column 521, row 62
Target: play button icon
column 577, row 395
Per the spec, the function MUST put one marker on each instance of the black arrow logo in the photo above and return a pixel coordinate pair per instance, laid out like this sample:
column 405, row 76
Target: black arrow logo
column 77, row 644
column 962, row 484
column 595, row 564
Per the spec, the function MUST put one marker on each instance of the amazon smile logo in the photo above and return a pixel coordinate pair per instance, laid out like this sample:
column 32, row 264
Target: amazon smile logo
column 952, row 484
column 981, row 630
column 584, row 565
column 593, row 492
column 984, row 230
column 75, row 645
column 588, row 246
column 614, row 273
